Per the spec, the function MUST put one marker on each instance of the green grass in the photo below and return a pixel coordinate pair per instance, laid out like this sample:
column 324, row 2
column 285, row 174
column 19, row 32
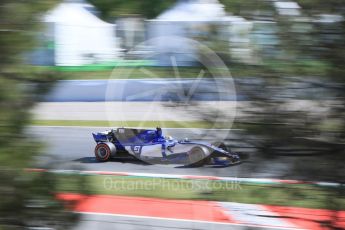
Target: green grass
column 163, row 124
column 142, row 69
column 133, row 73
column 309, row 196
column 104, row 66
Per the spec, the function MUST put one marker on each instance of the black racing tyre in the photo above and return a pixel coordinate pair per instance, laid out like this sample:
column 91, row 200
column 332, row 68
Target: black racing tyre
column 197, row 156
column 102, row 152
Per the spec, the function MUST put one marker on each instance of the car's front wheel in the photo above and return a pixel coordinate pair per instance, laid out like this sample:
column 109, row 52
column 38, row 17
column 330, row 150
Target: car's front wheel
column 197, row 156
column 103, row 151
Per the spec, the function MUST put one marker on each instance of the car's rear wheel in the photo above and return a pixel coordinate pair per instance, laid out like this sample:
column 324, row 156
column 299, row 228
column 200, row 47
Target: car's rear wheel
column 103, row 151
column 197, row 156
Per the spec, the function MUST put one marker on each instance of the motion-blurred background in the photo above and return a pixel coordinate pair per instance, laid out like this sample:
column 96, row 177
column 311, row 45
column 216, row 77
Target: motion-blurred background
column 277, row 92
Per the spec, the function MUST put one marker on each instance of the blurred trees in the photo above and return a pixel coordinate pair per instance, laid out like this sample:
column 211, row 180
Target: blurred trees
column 27, row 199
column 294, row 112
column 115, row 8
column 297, row 107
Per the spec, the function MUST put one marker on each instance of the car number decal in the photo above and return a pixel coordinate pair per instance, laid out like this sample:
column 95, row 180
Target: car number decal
column 136, row 149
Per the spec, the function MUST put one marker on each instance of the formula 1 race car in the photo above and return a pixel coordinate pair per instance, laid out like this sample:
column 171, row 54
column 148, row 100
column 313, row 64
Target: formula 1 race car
column 149, row 145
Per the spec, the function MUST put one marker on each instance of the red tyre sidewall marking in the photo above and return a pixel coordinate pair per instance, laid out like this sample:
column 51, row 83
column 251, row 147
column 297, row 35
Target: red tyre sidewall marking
column 104, row 146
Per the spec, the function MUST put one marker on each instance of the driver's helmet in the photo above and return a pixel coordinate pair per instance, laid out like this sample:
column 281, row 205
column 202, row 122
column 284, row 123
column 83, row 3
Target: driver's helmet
column 159, row 131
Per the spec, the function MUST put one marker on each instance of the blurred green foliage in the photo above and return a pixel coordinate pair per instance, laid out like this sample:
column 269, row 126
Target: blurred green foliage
column 248, row 7
column 320, row 6
column 27, row 200
column 110, row 10
column 152, row 8
column 19, row 21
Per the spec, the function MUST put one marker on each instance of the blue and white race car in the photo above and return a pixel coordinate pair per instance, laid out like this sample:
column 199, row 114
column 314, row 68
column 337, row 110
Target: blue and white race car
column 151, row 146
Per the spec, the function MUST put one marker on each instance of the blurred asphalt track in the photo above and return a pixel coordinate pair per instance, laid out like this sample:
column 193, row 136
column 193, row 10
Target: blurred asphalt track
column 175, row 89
column 136, row 111
column 72, row 148
column 168, row 89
